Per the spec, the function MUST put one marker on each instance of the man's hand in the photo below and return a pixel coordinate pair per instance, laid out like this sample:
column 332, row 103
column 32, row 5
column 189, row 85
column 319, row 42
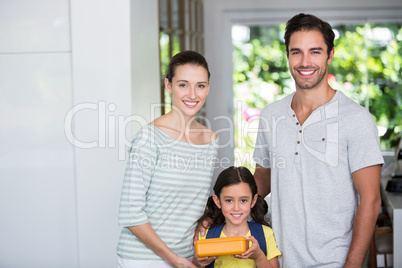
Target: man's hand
column 262, row 177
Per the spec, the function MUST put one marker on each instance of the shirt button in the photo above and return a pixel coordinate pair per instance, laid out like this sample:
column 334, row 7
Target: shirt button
column 300, row 131
column 294, row 115
column 323, row 139
column 296, row 153
column 298, row 142
column 297, row 123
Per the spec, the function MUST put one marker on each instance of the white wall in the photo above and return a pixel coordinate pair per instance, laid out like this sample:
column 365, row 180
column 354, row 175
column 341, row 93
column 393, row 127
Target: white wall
column 221, row 15
column 100, row 40
column 38, row 225
column 59, row 201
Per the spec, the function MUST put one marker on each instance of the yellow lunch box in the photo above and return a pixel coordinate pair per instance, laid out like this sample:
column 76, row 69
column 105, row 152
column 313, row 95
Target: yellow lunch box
column 221, row 246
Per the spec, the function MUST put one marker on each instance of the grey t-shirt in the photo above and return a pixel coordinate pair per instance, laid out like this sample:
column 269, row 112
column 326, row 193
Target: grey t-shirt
column 313, row 198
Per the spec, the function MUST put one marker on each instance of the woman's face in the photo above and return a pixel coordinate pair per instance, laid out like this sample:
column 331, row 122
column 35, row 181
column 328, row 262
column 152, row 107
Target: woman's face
column 189, row 88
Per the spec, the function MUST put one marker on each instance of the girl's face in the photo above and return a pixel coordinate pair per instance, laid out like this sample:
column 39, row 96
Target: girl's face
column 189, row 88
column 236, row 201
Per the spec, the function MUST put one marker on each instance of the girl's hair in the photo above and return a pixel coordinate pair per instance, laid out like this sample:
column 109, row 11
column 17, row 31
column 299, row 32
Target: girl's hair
column 186, row 57
column 231, row 176
column 308, row 22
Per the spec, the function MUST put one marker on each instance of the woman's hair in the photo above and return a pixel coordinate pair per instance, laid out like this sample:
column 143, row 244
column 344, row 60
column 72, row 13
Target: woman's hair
column 307, row 22
column 232, row 176
column 186, row 57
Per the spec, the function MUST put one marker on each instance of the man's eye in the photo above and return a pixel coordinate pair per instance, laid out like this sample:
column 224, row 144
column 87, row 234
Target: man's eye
column 201, row 86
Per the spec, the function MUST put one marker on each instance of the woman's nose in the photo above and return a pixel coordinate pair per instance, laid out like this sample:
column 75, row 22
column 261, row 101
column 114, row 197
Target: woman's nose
column 192, row 93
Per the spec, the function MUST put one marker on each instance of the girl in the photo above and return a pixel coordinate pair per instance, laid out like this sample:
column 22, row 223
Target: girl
column 171, row 162
column 234, row 200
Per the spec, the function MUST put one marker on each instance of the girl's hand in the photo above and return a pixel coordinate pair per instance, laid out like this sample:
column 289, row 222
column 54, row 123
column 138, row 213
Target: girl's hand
column 254, row 252
column 203, row 261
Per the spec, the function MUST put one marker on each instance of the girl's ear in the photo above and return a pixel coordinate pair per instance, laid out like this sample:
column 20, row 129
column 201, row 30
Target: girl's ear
column 168, row 86
column 254, row 200
column 216, row 200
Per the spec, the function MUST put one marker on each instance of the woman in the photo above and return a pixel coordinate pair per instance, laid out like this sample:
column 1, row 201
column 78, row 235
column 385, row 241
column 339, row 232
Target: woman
column 169, row 174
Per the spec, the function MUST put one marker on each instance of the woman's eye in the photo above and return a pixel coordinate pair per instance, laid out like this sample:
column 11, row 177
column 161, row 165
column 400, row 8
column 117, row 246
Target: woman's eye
column 182, row 85
column 201, row 86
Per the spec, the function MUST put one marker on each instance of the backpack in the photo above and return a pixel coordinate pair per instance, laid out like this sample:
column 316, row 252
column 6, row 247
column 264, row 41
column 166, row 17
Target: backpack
column 255, row 230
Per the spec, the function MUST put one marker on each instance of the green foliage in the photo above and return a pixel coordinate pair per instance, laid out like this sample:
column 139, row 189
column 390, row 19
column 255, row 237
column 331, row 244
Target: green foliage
column 373, row 68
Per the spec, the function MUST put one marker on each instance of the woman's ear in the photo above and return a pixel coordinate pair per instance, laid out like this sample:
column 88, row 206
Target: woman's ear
column 254, row 200
column 216, row 200
column 168, row 86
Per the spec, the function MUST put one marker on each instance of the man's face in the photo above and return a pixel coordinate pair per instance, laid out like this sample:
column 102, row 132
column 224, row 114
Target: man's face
column 308, row 59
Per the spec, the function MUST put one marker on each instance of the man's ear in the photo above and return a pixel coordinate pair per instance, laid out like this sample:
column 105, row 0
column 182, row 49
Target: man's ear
column 331, row 55
column 168, row 86
column 254, row 200
column 216, row 200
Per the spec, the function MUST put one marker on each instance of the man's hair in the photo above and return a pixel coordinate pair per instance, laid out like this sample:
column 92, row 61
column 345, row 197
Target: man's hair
column 308, row 22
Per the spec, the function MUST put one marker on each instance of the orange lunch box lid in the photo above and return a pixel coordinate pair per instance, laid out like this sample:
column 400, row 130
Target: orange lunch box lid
column 221, row 246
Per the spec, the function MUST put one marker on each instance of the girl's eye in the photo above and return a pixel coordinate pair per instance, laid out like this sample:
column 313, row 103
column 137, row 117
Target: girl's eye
column 243, row 200
column 228, row 200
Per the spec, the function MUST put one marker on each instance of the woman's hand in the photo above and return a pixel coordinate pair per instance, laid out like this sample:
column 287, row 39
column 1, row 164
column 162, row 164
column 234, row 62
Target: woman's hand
column 183, row 263
column 201, row 229
column 147, row 235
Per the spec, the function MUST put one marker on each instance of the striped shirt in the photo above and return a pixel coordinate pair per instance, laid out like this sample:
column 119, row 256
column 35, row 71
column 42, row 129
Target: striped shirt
column 166, row 184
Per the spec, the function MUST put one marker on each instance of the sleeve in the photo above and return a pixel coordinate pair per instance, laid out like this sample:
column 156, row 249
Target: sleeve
column 140, row 167
column 261, row 150
column 272, row 247
column 363, row 142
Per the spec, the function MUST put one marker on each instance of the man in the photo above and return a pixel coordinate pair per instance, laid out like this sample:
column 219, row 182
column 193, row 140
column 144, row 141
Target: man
column 316, row 152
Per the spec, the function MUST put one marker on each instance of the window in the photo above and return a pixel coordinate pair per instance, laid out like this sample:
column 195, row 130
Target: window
column 181, row 28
